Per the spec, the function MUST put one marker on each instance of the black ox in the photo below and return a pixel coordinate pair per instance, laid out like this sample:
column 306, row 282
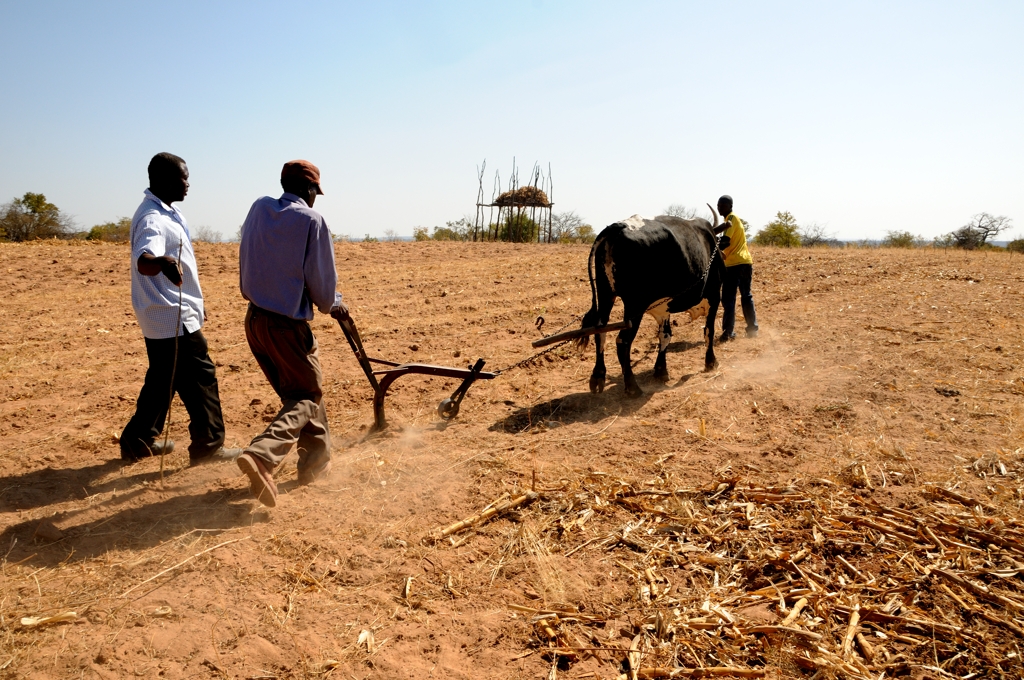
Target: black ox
column 657, row 267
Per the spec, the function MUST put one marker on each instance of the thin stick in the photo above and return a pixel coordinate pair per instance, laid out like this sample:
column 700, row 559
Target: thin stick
column 852, row 569
column 980, row 611
column 865, row 647
column 978, row 590
column 198, row 554
column 174, row 365
column 782, row 629
column 954, row 496
column 493, row 511
column 851, row 631
column 794, row 612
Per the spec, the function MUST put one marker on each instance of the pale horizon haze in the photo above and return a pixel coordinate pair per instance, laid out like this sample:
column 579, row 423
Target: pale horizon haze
column 864, row 117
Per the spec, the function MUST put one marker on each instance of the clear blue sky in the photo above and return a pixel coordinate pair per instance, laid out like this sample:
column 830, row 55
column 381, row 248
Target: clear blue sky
column 865, row 116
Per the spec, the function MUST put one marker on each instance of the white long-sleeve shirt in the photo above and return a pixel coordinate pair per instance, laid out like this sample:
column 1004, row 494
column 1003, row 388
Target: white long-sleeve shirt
column 159, row 229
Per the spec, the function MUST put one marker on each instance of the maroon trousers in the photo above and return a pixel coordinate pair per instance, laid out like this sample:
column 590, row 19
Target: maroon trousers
column 287, row 352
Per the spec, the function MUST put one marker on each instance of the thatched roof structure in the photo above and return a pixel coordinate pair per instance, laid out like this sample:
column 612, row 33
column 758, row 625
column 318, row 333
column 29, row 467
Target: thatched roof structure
column 523, row 196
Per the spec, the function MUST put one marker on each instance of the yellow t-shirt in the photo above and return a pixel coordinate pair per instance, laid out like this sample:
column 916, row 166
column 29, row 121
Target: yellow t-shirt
column 736, row 252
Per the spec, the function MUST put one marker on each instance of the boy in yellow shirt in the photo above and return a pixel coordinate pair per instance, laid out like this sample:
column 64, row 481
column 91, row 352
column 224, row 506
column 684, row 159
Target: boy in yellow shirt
column 739, row 271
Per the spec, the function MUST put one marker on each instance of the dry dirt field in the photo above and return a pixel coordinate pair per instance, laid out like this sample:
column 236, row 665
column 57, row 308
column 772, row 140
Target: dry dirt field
column 841, row 498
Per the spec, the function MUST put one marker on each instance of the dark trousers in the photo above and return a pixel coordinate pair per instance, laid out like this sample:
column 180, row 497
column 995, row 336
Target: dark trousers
column 287, row 352
column 195, row 381
column 737, row 276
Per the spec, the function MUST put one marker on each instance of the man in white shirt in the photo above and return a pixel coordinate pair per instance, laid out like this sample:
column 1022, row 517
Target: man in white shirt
column 168, row 304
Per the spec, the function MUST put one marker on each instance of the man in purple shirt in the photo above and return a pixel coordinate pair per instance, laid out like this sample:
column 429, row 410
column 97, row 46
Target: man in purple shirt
column 286, row 264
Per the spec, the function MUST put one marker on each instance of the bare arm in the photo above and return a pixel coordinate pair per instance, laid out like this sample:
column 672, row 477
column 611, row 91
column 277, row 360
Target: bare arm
column 151, row 266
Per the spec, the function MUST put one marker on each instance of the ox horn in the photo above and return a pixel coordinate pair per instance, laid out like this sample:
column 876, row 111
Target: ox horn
column 713, row 212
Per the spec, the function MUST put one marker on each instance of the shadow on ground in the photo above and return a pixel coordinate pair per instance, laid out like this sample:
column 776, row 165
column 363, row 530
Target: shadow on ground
column 685, row 345
column 51, row 486
column 130, row 528
column 584, row 407
column 579, row 407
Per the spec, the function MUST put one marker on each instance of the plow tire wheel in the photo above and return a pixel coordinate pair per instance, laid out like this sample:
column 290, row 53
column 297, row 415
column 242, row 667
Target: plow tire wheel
column 447, row 409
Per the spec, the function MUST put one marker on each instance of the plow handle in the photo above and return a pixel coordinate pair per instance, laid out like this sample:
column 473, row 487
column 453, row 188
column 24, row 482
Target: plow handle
column 348, row 327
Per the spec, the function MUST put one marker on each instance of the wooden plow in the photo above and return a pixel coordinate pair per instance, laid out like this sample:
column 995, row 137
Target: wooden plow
column 447, row 409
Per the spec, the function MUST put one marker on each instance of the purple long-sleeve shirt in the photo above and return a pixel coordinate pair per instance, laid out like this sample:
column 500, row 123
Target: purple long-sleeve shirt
column 286, row 258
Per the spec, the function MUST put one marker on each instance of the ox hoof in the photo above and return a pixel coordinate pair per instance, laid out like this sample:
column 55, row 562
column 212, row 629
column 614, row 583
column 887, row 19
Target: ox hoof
column 634, row 391
column 661, row 374
column 710, row 366
column 596, row 384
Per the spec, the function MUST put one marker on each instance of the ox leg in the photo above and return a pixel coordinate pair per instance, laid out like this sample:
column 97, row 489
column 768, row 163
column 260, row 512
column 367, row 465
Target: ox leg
column 605, row 300
column 597, row 378
column 623, row 347
column 714, row 297
column 664, row 336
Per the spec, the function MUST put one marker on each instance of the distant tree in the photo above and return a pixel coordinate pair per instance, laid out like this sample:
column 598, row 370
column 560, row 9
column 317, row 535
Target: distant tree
column 32, row 217
column 463, row 227
column 1016, row 245
column 944, row 241
column 420, row 234
column 568, row 227
column 119, row 231
column 455, row 230
column 564, row 226
column 341, row 238
column 680, row 210
column 391, row 235
column 783, row 232
column 585, row 234
column 205, row 234
column 976, row 233
column 370, row 239
column 901, row 239
column 815, row 235
column 446, row 234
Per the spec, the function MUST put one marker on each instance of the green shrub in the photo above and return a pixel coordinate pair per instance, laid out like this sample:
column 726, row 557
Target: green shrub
column 455, row 230
column 518, row 228
column 585, row 234
column 1016, row 245
column 901, row 239
column 111, row 231
column 420, row 234
column 782, row 232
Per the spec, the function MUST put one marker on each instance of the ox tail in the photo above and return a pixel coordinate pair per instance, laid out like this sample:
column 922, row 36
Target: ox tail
column 592, row 316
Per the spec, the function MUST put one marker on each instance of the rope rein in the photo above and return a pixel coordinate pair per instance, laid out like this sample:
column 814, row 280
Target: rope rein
column 546, row 350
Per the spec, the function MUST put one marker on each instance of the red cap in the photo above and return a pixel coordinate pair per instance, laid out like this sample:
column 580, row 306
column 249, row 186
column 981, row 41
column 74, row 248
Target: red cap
column 304, row 170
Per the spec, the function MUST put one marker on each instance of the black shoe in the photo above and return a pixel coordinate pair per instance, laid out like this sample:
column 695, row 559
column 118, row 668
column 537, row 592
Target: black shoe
column 141, row 451
column 220, row 455
column 726, row 337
